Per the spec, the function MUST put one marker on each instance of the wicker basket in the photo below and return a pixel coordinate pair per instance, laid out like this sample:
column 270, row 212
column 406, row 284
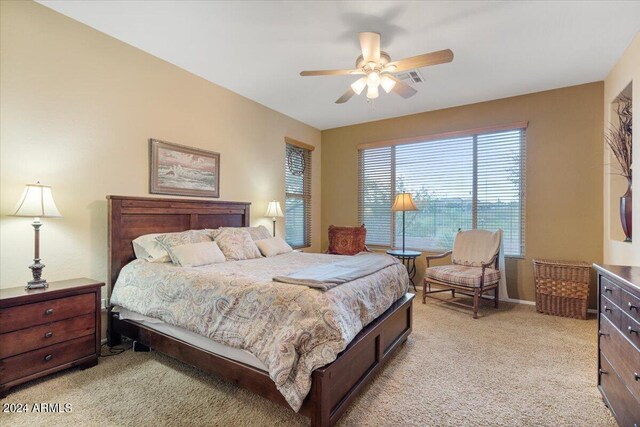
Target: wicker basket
column 562, row 288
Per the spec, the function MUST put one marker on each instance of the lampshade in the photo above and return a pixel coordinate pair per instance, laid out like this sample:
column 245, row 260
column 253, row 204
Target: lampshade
column 37, row 201
column 274, row 210
column 404, row 202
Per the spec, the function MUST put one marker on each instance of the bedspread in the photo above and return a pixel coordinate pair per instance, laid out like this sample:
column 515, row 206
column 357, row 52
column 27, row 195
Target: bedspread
column 292, row 329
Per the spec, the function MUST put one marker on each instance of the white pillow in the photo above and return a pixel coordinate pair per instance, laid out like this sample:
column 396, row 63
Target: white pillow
column 236, row 244
column 257, row 233
column 149, row 249
column 196, row 254
column 273, row 246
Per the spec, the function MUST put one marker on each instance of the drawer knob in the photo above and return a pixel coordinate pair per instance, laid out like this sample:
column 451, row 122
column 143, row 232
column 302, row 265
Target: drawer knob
column 608, row 290
column 633, row 307
column 602, row 334
column 607, row 309
column 601, row 372
column 48, row 312
column 636, row 376
column 632, row 331
column 48, row 357
column 48, row 334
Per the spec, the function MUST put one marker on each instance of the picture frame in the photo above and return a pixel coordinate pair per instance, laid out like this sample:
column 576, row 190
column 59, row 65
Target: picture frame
column 183, row 171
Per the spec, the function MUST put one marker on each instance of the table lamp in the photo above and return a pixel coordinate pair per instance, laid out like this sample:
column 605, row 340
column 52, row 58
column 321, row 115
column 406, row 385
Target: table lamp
column 404, row 202
column 274, row 211
column 37, row 202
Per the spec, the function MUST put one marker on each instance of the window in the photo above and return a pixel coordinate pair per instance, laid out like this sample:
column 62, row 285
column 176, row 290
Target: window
column 461, row 182
column 297, row 204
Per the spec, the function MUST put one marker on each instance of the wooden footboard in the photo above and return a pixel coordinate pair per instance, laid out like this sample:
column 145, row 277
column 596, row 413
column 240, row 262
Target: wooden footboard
column 334, row 386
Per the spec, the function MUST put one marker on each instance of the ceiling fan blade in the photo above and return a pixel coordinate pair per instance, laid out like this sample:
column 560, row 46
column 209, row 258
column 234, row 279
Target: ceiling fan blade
column 330, row 72
column 401, row 88
column 345, row 96
column 433, row 58
column 370, row 45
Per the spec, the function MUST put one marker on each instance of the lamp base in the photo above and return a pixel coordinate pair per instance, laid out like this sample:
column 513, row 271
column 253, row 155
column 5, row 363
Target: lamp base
column 37, row 284
column 36, row 269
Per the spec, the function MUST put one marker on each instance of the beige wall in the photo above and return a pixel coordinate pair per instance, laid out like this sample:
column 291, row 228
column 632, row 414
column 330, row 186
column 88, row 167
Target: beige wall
column 626, row 70
column 563, row 170
column 77, row 109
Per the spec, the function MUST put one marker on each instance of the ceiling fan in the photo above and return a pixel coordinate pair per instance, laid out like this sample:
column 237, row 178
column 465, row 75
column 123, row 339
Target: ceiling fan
column 377, row 69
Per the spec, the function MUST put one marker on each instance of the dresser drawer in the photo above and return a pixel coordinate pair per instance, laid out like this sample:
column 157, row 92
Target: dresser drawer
column 610, row 290
column 610, row 310
column 624, row 406
column 40, row 360
column 631, row 329
column 28, row 339
column 630, row 304
column 622, row 355
column 27, row 315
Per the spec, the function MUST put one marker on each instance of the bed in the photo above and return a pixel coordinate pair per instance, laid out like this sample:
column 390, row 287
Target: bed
column 332, row 386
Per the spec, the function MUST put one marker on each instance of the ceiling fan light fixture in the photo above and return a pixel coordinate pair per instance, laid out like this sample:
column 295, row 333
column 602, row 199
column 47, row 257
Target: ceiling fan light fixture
column 359, row 85
column 372, row 92
column 373, row 79
column 390, row 68
column 387, row 83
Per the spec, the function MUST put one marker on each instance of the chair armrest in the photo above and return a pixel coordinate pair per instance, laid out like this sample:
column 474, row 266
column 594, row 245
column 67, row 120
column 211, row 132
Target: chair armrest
column 491, row 261
column 442, row 255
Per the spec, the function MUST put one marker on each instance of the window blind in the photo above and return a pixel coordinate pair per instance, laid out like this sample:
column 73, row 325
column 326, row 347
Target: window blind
column 298, row 196
column 462, row 182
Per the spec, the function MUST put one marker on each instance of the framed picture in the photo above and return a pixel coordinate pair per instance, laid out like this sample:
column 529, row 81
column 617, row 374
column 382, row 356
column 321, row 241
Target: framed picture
column 183, row 171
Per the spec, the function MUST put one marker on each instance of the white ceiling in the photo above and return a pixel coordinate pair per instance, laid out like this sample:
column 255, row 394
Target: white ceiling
column 257, row 49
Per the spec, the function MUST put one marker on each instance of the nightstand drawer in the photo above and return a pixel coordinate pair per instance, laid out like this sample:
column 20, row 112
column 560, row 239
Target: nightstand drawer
column 28, row 339
column 24, row 316
column 46, row 358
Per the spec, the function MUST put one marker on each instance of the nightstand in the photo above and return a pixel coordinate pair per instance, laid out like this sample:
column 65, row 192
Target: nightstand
column 43, row 331
column 408, row 258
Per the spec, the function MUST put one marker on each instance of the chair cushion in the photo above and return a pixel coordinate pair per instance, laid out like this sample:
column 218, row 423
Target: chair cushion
column 347, row 240
column 462, row 275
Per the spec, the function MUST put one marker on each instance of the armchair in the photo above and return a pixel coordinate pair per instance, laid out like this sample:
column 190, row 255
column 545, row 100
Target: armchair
column 474, row 268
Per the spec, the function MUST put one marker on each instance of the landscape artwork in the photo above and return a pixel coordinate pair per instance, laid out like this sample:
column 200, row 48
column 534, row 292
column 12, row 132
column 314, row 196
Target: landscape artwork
column 184, row 171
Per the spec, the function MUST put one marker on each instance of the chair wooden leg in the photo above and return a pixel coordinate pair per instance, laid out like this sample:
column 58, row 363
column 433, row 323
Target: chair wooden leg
column 496, row 298
column 424, row 291
column 476, row 301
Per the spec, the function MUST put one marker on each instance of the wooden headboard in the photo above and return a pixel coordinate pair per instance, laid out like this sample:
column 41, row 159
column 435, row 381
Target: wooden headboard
column 131, row 217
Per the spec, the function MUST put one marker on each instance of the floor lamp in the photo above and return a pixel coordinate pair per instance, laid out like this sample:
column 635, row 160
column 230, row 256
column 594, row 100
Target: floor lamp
column 403, row 203
column 37, row 202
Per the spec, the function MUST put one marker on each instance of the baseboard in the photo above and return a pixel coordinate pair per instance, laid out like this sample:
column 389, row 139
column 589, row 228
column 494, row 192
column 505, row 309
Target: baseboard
column 527, row 302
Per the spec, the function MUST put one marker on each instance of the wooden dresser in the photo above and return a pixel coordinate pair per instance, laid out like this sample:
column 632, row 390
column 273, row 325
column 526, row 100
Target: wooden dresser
column 43, row 331
column 619, row 341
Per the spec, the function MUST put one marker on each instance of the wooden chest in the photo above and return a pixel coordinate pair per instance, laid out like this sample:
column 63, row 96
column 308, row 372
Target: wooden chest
column 43, row 331
column 619, row 341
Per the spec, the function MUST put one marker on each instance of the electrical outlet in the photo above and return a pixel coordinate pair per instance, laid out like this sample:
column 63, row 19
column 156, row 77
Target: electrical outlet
column 105, row 304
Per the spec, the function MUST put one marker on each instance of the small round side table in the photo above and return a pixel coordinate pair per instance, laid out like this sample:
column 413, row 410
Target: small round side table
column 408, row 258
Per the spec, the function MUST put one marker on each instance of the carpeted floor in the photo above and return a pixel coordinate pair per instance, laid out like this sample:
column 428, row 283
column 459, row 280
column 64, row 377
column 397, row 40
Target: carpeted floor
column 512, row 367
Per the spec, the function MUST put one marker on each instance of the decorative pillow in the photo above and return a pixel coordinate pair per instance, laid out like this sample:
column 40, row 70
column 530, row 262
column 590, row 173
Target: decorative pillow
column 149, row 249
column 347, row 240
column 170, row 240
column 273, row 246
column 236, row 244
column 257, row 233
column 196, row 254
